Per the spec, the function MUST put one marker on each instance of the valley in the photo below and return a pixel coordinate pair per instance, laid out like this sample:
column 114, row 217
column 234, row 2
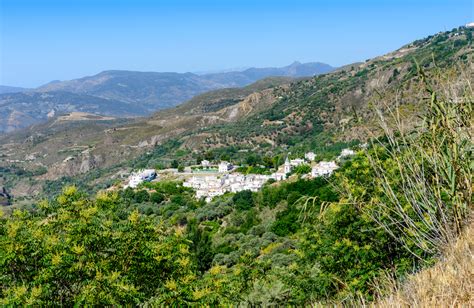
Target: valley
column 306, row 185
column 270, row 117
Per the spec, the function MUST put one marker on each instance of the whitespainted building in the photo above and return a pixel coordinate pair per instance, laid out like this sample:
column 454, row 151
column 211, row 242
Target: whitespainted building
column 324, row 168
column 346, row 153
column 141, row 176
column 212, row 186
column 225, row 167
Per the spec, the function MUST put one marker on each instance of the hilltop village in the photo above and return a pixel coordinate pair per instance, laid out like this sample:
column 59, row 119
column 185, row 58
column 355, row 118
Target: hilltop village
column 211, row 180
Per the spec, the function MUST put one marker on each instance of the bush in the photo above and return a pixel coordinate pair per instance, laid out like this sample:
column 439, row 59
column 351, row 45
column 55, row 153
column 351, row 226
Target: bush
column 243, row 200
column 426, row 175
column 141, row 196
column 302, row 169
column 157, row 197
column 286, row 222
column 87, row 255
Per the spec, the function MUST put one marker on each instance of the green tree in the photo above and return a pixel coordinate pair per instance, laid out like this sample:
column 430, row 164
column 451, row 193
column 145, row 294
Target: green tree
column 77, row 251
column 286, row 223
column 201, row 245
column 302, row 169
column 243, row 200
column 157, row 197
column 141, row 196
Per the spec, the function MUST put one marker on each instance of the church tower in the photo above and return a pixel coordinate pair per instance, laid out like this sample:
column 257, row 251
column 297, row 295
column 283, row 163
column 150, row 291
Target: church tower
column 287, row 166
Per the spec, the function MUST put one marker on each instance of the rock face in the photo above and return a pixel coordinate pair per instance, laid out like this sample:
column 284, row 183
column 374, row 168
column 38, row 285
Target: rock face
column 4, row 197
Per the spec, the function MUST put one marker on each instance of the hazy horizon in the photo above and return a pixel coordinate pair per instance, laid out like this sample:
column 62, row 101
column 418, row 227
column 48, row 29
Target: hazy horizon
column 202, row 72
column 57, row 40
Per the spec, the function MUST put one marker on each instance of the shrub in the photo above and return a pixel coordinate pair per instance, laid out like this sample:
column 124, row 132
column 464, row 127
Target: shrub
column 430, row 197
column 243, row 200
column 141, row 196
column 157, row 197
column 77, row 251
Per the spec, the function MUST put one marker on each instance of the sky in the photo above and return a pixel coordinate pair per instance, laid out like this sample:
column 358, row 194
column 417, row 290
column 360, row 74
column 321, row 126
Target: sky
column 45, row 40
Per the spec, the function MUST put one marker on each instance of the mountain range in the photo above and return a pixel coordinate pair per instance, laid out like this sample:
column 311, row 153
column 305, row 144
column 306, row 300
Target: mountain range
column 128, row 93
column 8, row 89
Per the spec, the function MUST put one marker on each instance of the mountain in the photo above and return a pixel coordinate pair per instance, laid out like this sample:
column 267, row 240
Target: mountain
column 274, row 116
column 20, row 110
column 127, row 93
column 295, row 70
column 8, row 89
column 69, row 146
column 155, row 91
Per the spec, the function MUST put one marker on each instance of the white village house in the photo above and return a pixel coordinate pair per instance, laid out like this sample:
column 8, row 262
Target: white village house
column 209, row 186
column 212, row 186
column 310, row 156
column 324, row 168
column 141, row 176
column 287, row 166
column 346, row 153
column 225, row 166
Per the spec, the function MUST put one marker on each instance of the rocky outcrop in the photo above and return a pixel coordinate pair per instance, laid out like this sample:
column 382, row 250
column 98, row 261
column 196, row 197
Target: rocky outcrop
column 5, row 198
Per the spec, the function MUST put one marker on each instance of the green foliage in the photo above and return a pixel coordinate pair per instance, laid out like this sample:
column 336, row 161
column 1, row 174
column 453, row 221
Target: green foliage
column 243, row 200
column 253, row 170
column 253, row 160
column 78, row 251
column 293, row 243
column 426, row 177
column 286, row 222
column 201, row 241
column 141, row 196
column 302, row 169
column 350, row 250
column 157, row 197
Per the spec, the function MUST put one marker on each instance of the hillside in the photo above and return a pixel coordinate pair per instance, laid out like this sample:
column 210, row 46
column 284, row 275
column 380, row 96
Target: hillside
column 55, row 142
column 326, row 112
column 22, row 109
column 127, row 93
column 389, row 224
column 321, row 241
column 155, row 91
column 340, row 105
column 323, row 113
column 449, row 282
column 8, row 89
column 219, row 99
column 250, row 75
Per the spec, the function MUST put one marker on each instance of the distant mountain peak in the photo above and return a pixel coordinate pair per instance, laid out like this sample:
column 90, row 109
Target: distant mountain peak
column 295, row 63
column 134, row 93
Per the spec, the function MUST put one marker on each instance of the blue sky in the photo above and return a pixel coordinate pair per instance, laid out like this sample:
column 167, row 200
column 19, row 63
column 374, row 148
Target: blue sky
column 44, row 40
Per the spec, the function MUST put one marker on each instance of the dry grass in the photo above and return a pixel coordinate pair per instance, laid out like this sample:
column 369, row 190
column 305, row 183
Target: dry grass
column 432, row 195
column 449, row 283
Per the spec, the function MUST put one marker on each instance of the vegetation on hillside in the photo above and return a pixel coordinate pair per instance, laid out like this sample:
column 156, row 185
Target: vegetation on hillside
column 323, row 114
column 301, row 242
column 388, row 211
